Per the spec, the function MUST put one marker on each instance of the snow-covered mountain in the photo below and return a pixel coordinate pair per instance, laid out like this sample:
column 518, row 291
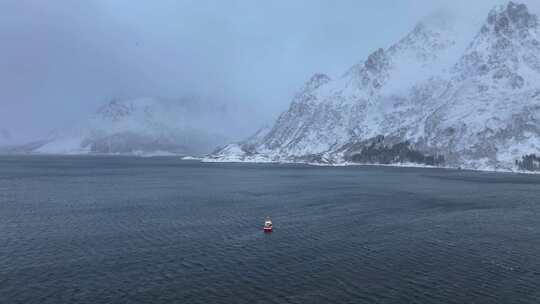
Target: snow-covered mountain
column 436, row 97
column 144, row 126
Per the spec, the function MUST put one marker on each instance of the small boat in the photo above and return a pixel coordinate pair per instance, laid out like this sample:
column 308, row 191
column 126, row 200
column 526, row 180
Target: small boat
column 267, row 224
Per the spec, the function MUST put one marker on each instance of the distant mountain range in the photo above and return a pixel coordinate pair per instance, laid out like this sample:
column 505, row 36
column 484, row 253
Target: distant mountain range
column 436, row 97
column 144, row 126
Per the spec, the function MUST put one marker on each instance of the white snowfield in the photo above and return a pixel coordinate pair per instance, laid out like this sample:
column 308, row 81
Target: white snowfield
column 470, row 99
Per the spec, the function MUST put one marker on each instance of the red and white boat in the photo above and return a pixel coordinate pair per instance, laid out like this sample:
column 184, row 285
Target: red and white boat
column 267, row 225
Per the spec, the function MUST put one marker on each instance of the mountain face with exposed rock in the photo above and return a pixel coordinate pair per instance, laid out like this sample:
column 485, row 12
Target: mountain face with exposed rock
column 143, row 126
column 436, row 97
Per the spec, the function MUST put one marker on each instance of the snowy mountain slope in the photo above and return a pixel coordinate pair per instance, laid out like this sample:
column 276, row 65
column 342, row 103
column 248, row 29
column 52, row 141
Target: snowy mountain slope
column 240, row 152
column 144, row 126
column 327, row 114
column 436, row 96
column 490, row 112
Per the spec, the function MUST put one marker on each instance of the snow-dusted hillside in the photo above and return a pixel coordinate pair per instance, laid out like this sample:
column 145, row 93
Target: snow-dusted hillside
column 144, row 126
column 435, row 97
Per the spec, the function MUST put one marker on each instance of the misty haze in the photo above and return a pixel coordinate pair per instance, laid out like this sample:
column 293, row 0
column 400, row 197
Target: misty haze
column 270, row 151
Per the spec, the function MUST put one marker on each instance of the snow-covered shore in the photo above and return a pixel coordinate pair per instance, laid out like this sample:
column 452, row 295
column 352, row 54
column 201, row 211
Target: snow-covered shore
column 353, row 164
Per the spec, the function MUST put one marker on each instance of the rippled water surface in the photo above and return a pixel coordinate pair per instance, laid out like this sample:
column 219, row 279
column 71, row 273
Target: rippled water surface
column 162, row 230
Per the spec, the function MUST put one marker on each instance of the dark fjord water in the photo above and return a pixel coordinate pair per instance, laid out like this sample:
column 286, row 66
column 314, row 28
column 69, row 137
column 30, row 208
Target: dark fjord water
column 161, row 230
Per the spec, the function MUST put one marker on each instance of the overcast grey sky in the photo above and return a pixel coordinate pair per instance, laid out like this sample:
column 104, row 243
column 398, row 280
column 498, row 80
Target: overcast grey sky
column 61, row 59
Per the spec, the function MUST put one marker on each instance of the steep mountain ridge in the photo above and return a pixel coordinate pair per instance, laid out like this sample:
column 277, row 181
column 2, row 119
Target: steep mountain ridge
column 488, row 115
column 434, row 97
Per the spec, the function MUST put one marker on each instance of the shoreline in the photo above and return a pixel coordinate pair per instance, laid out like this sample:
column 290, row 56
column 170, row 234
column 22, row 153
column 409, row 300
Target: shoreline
column 350, row 164
column 236, row 161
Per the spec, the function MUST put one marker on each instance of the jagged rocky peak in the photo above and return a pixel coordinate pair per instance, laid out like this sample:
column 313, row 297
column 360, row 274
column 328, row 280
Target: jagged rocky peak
column 428, row 38
column 377, row 61
column 115, row 109
column 422, row 32
column 118, row 108
column 507, row 43
column 373, row 72
column 510, row 18
column 316, row 81
column 305, row 94
column 426, row 43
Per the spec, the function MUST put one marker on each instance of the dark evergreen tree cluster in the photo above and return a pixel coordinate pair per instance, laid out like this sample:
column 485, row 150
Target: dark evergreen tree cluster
column 398, row 153
column 529, row 162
